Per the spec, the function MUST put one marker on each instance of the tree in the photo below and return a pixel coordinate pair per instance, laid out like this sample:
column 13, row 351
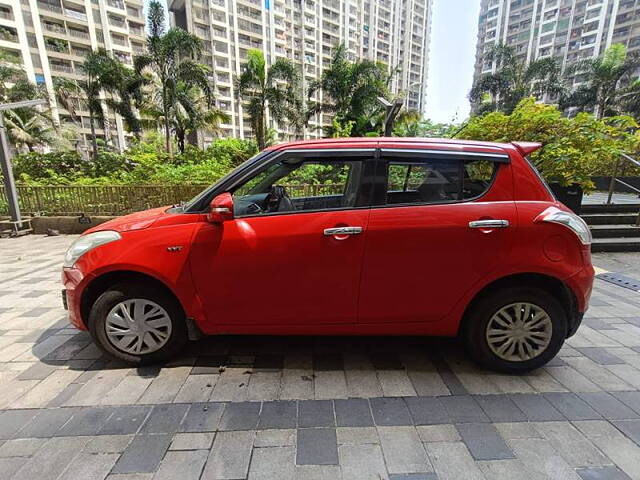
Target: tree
column 350, row 91
column 513, row 80
column 410, row 124
column 194, row 112
column 607, row 89
column 28, row 128
column 102, row 73
column 574, row 149
column 275, row 88
column 171, row 56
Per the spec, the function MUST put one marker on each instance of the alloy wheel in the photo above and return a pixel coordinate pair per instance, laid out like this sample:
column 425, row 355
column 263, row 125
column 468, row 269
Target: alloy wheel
column 138, row 326
column 519, row 332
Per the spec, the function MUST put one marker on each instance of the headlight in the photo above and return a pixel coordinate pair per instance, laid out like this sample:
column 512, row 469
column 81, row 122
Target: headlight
column 88, row 242
column 569, row 220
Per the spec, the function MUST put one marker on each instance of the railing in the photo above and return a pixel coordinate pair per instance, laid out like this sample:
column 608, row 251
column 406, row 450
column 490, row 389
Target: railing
column 123, row 199
column 614, row 179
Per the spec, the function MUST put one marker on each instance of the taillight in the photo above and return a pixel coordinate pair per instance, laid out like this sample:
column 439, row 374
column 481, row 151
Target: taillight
column 570, row 220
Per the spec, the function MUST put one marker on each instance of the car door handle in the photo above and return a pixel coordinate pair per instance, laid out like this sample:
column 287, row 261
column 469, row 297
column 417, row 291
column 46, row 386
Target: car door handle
column 489, row 224
column 342, row 231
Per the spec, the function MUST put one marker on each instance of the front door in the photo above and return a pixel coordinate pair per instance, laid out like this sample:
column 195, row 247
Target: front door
column 292, row 255
column 422, row 253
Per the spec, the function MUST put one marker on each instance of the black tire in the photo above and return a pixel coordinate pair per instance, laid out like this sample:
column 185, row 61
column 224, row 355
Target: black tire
column 125, row 291
column 477, row 319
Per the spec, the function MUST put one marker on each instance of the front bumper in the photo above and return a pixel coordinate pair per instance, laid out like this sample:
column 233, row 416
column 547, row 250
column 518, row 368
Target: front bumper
column 72, row 279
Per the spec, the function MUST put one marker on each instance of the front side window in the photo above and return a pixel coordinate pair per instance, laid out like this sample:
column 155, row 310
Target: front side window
column 298, row 184
column 435, row 180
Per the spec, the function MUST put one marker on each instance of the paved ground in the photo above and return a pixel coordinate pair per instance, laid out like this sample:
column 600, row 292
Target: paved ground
column 286, row 408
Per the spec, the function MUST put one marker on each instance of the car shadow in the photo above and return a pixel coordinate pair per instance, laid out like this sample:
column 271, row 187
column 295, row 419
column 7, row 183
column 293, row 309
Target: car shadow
column 76, row 350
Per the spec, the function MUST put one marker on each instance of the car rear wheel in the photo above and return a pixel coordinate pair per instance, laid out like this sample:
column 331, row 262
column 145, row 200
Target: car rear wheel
column 515, row 330
column 138, row 324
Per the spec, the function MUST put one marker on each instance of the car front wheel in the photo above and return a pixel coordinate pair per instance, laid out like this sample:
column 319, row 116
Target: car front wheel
column 138, row 324
column 515, row 330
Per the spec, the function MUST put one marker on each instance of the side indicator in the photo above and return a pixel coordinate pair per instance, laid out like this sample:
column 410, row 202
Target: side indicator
column 175, row 248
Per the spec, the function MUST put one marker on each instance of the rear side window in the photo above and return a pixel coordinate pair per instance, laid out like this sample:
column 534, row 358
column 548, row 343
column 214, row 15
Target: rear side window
column 427, row 181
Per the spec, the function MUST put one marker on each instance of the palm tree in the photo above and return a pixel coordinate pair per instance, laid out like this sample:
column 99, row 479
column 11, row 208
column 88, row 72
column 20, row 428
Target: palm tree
column 101, row 73
column 275, row 88
column 28, row 129
column 170, row 56
column 194, row 112
column 350, row 91
column 606, row 89
column 514, row 80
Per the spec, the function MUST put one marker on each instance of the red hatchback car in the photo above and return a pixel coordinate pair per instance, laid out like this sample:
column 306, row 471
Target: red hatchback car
column 374, row 236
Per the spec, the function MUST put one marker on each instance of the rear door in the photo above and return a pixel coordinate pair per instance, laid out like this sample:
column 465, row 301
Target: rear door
column 442, row 221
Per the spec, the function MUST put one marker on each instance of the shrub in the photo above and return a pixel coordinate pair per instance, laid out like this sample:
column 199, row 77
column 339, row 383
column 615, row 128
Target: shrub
column 574, row 149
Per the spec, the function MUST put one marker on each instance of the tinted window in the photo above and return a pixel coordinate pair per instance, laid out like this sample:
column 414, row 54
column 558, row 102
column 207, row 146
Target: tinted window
column 299, row 184
column 437, row 180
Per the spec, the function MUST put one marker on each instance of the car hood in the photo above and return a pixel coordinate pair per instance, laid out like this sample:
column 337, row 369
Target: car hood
column 133, row 221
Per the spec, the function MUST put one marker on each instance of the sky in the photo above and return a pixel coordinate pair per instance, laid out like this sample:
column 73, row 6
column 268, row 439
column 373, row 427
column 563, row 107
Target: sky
column 454, row 29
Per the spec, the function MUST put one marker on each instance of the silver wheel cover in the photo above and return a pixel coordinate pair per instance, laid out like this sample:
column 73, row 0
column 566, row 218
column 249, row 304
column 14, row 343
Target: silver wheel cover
column 138, row 326
column 519, row 332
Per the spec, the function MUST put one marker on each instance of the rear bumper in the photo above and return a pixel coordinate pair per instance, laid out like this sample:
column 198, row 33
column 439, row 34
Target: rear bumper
column 581, row 285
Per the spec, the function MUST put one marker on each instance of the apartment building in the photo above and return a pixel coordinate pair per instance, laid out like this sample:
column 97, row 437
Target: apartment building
column 565, row 29
column 395, row 32
column 50, row 39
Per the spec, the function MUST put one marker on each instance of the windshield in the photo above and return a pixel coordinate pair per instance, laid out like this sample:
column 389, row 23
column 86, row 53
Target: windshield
column 202, row 200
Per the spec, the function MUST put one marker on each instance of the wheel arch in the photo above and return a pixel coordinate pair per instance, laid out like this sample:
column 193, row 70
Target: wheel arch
column 550, row 284
column 101, row 284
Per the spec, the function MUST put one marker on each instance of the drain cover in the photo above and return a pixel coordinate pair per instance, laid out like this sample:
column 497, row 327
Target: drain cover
column 620, row 280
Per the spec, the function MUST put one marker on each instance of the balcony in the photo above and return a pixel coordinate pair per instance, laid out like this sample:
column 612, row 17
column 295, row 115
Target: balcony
column 79, row 34
column 51, row 8
column 75, row 14
column 7, row 15
column 116, row 4
column 58, row 67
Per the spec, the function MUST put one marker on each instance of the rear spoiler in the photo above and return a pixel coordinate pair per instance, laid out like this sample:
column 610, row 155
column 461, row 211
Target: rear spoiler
column 525, row 148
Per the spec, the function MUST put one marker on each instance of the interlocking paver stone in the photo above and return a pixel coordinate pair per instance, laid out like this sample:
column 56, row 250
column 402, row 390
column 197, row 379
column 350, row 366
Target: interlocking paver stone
column 86, row 421
column 390, row 412
column 501, row 408
column 317, row 446
column 125, row 420
column 185, row 465
column 46, row 423
column 631, row 428
column 13, row 420
column 143, row 454
column 316, row 413
column 353, row 412
column 202, row 417
column 164, row 418
column 536, row 407
column 229, row 458
column 403, row 451
column 484, row 442
column 278, row 414
column 608, row 406
column 601, row 356
column 572, row 406
column 427, row 410
column 240, row 416
column 464, row 409
column 602, row 473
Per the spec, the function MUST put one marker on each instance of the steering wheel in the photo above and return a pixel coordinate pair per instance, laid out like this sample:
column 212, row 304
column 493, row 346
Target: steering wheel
column 278, row 200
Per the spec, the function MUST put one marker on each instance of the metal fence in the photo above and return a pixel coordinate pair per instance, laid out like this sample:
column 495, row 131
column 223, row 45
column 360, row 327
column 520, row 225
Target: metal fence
column 121, row 199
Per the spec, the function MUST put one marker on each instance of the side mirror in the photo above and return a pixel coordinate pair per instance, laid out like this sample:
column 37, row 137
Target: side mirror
column 221, row 208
